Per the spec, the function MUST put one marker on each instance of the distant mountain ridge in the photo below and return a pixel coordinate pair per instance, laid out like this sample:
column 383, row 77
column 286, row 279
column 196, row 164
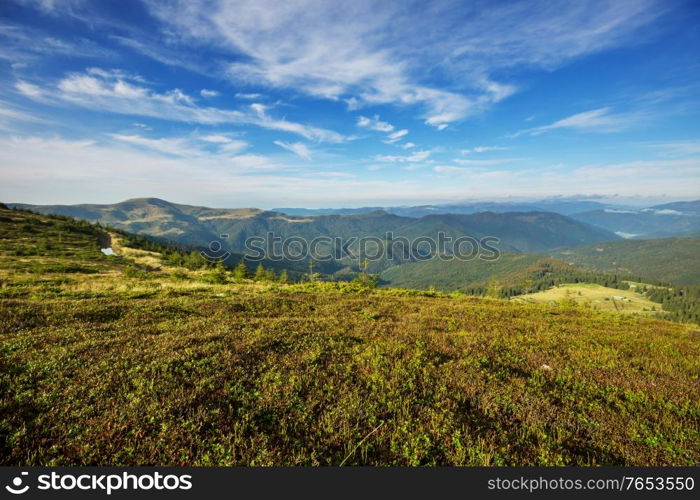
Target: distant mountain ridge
column 680, row 218
column 659, row 221
column 518, row 231
column 560, row 206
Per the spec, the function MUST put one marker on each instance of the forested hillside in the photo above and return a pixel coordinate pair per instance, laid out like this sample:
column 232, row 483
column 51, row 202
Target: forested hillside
column 670, row 260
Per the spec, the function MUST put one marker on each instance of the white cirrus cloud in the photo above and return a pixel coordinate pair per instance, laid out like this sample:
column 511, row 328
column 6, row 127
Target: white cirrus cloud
column 374, row 123
column 24, row 44
column 208, row 93
column 28, row 89
column 396, row 136
column 371, row 53
column 491, row 161
column 596, row 120
column 248, row 96
column 298, row 148
column 186, row 146
column 482, row 149
column 219, row 139
column 11, row 114
column 110, row 93
column 449, row 169
column 418, row 156
column 677, row 148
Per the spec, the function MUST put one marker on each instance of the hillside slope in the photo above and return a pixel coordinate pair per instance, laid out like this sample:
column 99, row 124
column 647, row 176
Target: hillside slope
column 671, row 260
column 108, row 363
column 455, row 274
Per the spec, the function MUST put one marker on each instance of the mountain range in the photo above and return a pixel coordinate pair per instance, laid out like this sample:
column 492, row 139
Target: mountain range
column 193, row 225
column 565, row 206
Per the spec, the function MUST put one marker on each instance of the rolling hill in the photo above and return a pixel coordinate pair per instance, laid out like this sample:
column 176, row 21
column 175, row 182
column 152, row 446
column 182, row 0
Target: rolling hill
column 456, row 275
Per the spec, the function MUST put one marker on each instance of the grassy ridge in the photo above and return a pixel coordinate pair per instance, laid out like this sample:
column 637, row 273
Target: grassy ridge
column 163, row 367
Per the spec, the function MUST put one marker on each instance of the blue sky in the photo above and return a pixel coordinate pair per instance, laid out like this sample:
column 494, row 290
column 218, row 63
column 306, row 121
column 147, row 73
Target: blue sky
column 329, row 104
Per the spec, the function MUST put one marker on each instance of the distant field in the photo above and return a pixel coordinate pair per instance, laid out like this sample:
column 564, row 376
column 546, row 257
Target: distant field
column 595, row 296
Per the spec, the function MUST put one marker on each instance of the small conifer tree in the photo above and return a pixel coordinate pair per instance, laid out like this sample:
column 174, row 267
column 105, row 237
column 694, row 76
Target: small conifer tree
column 260, row 273
column 240, row 272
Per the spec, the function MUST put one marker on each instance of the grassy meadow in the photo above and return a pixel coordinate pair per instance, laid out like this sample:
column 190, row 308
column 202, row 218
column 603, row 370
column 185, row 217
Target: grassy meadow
column 600, row 298
column 124, row 360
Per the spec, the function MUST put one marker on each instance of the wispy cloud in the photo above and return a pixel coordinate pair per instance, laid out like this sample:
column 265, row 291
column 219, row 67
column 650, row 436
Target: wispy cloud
column 396, row 136
column 55, row 7
column 208, row 93
column 166, row 53
column 187, row 146
column 298, row 148
column 595, row 120
column 493, row 161
column 677, row 148
column 24, row 44
column 117, row 94
column 250, row 96
column 482, row 149
column 9, row 114
column 418, row 156
column 217, row 139
column 648, row 170
column 28, row 89
column 374, row 123
column 373, row 54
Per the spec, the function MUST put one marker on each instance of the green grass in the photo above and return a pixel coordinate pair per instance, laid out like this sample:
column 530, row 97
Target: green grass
column 598, row 297
column 161, row 367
